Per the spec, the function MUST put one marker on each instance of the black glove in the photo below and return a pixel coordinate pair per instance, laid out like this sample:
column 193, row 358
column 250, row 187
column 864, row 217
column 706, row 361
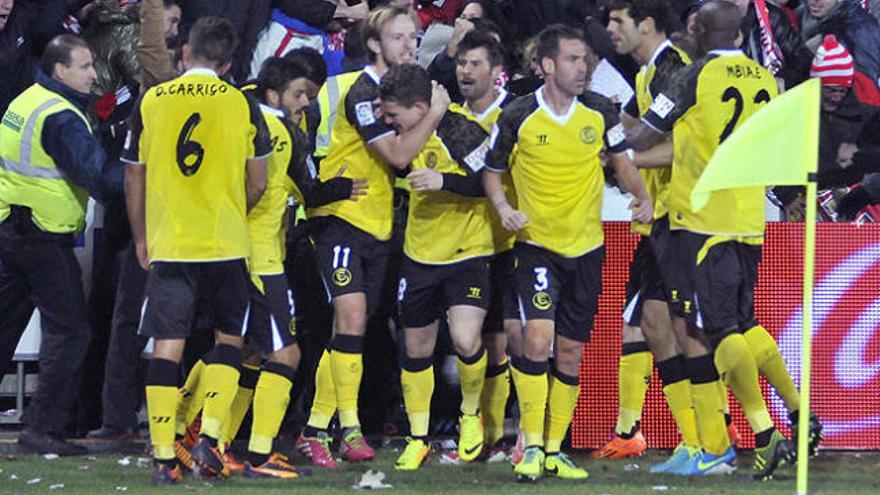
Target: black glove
column 850, row 205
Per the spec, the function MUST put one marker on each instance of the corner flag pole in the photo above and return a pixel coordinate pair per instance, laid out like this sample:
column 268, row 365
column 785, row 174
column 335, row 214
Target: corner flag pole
column 806, row 336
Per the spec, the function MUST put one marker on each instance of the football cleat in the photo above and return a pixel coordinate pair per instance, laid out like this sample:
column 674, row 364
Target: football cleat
column 317, row 449
column 681, row 457
column 531, row 467
column 165, row 474
column 770, row 457
column 275, row 467
column 706, row 464
column 354, row 447
column 208, row 460
column 413, row 456
column 470, row 437
column 621, row 448
column 183, row 455
column 816, row 434
column 561, row 466
column 232, row 462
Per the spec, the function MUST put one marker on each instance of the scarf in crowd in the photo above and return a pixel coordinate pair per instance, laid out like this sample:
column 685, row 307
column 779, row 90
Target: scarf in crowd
column 772, row 54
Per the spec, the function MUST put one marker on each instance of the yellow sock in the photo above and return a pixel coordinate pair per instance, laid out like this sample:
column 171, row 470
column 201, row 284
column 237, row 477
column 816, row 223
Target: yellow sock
column 347, row 369
column 244, row 395
column 771, row 365
column 162, row 411
column 493, row 401
column 192, row 397
column 678, row 396
column 561, row 401
column 737, row 365
column 707, row 405
column 324, row 403
column 530, row 379
column 270, row 403
column 221, row 383
column 725, row 397
column 417, row 381
column 633, row 378
column 472, row 374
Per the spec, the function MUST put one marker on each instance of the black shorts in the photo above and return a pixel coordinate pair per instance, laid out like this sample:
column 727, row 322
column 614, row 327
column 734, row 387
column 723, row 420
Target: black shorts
column 176, row 290
column 271, row 323
column 425, row 292
column 349, row 259
column 502, row 301
column 645, row 276
column 565, row 290
column 711, row 280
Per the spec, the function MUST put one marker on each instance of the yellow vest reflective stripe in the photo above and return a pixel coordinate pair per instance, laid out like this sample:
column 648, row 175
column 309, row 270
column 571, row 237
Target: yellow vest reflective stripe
column 328, row 102
column 28, row 175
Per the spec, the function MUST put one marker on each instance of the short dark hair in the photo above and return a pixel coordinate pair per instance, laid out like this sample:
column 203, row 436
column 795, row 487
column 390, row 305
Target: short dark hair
column 277, row 73
column 58, row 51
column 170, row 3
column 406, row 85
column 640, row 10
column 481, row 39
column 213, row 39
column 547, row 41
column 311, row 62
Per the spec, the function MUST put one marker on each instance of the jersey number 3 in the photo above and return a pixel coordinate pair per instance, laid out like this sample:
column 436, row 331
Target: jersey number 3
column 189, row 153
column 731, row 93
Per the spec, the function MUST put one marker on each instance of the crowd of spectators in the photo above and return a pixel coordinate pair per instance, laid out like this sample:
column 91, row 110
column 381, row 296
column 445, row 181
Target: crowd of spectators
column 137, row 44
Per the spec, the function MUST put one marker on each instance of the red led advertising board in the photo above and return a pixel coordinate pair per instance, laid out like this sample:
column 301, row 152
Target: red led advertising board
column 846, row 337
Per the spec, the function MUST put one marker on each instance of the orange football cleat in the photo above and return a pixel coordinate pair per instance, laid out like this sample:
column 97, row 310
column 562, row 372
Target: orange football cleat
column 620, row 448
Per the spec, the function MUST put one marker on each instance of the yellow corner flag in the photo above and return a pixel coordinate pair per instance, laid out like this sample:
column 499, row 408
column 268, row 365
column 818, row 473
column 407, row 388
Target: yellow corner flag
column 777, row 146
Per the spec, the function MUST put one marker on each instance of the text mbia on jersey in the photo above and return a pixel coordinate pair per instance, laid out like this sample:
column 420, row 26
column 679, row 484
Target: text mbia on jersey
column 743, row 72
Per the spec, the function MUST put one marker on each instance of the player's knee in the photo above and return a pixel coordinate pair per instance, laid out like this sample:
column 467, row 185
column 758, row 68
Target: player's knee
column 351, row 319
column 467, row 346
column 569, row 354
column 226, row 339
column 288, row 356
column 419, row 344
column 496, row 348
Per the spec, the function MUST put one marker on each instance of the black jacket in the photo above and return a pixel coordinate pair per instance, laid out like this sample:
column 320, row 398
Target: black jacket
column 797, row 59
column 30, row 27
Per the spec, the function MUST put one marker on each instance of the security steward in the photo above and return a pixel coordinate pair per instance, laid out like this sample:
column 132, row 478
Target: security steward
column 50, row 162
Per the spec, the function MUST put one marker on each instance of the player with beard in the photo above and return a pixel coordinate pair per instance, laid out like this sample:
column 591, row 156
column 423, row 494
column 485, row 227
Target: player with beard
column 479, row 64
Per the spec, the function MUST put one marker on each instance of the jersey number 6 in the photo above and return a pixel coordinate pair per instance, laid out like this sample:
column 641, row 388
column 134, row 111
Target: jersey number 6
column 187, row 148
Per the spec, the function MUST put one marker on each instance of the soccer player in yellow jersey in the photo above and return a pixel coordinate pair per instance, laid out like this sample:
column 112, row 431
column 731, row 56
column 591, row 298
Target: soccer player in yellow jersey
column 712, row 254
column 350, row 238
column 479, row 63
column 638, row 29
column 445, row 270
column 197, row 153
column 550, row 143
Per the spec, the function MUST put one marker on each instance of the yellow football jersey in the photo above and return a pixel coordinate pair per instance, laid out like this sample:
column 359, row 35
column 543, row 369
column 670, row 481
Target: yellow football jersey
column 651, row 80
column 350, row 147
column 502, row 238
column 444, row 226
column 195, row 134
column 557, row 174
column 706, row 103
column 267, row 221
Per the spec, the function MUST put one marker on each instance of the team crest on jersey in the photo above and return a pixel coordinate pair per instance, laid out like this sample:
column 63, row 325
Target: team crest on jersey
column 588, row 135
column 364, row 113
column 431, row 160
column 292, row 327
column 341, row 277
column 541, row 301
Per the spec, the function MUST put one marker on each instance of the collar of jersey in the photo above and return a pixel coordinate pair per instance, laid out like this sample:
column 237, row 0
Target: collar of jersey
column 271, row 111
column 371, row 71
column 200, row 71
column 502, row 94
column 726, row 53
column 662, row 46
column 559, row 119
